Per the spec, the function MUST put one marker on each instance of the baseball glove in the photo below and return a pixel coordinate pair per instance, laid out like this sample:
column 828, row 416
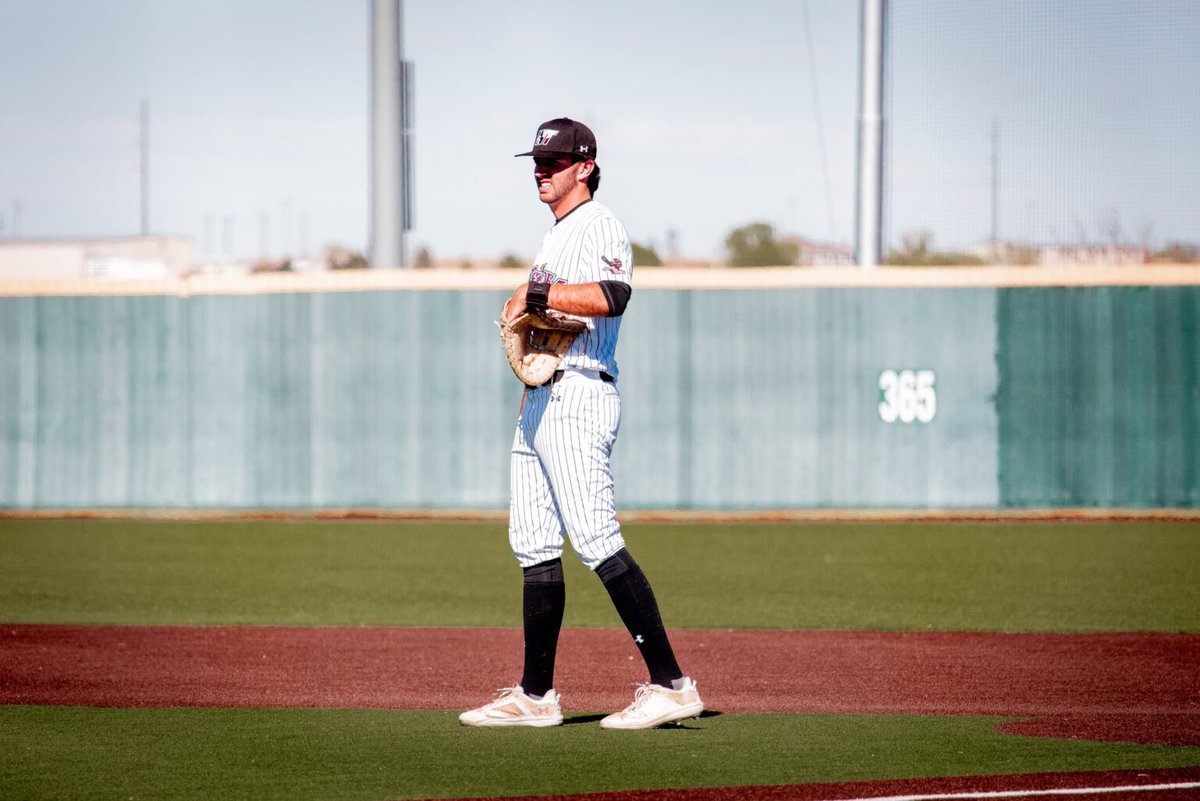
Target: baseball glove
column 536, row 341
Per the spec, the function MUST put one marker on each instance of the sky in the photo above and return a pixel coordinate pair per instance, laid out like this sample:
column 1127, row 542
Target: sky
column 1094, row 108
column 708, row 116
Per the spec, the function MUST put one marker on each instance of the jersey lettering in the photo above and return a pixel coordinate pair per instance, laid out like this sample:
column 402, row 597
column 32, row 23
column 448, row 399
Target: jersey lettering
column 541, row 273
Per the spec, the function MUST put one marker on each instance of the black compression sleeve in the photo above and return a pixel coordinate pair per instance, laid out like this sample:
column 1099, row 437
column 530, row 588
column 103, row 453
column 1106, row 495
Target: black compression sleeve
column 617, row 294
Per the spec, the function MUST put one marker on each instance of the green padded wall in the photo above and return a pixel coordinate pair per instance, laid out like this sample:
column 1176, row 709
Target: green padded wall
column 770, row 398
column 275, row 400
column 1100, row 396
column 733, row 399
column 94, row 400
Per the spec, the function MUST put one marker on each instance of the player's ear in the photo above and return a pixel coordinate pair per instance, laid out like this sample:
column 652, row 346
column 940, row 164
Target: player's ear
column 586, row 168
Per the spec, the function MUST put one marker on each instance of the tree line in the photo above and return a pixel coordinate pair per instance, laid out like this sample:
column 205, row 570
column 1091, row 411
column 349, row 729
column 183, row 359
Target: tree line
column 756, row 244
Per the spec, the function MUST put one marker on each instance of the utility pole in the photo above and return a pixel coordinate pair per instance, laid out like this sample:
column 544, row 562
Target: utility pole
column 995, row 238
column 145, row 193
column 869, row 217
column 264, row 234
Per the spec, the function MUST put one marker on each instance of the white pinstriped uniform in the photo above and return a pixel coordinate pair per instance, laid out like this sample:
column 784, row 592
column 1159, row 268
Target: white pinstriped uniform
column 561, row 476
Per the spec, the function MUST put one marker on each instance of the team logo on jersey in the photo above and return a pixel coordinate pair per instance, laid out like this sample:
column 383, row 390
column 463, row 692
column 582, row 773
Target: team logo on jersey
column 544, row 136
column 541, row 274
column 614, row 265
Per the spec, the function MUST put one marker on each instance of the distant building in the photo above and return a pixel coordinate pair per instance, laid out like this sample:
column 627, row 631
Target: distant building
column 125, row 257
column 1106, row 255
column 820, row 254
column 1059, row 255
column 994, row 252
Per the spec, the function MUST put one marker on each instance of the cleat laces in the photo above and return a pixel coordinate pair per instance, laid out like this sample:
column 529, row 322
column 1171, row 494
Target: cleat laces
column 641, row 697
column 505, row 694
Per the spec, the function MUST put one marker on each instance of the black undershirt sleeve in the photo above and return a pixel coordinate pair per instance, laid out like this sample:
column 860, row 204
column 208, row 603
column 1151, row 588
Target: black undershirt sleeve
column 617, row 294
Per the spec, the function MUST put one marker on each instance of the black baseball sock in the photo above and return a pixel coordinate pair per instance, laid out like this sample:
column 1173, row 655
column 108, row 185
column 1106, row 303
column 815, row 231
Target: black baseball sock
column 545, row 598
column 634, row 599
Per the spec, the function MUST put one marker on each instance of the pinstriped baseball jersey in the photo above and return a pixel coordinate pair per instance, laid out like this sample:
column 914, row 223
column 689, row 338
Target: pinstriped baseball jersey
column 589, row 244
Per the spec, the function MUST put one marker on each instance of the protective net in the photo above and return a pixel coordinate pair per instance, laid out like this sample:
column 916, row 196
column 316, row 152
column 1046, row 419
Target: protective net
column 1042, row 131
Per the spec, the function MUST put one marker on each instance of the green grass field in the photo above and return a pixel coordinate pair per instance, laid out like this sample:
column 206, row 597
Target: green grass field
column 980, row 577
column 1057, row 577
column 291, row 755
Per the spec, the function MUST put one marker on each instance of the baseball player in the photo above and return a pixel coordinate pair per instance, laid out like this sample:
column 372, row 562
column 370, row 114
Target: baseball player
column 561, row 478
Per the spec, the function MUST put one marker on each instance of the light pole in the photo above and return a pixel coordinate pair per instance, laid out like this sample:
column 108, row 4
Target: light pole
column 869, row 216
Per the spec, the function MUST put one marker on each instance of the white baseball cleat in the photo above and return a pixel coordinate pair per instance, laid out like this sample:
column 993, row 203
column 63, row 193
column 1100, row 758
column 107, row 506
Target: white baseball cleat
column 654, row 705
column 514, row 708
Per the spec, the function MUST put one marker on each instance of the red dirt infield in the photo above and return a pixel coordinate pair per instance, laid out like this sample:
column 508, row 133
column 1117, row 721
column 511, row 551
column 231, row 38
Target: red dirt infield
column 1123, row 686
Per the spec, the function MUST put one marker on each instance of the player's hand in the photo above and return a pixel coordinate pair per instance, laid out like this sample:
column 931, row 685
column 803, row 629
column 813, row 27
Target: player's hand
column 514, row 306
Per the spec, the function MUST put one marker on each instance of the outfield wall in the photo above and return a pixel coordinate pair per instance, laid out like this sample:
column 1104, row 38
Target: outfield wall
column 775, row 389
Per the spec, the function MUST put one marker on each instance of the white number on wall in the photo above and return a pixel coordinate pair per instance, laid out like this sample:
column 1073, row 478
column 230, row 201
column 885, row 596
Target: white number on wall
column 907, row 396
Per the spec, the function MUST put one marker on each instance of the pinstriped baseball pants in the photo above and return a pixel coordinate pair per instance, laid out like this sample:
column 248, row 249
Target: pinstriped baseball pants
column 561, row 476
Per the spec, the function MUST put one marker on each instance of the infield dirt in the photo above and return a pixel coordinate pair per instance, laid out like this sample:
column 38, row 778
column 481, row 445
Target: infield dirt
column 1125, row 686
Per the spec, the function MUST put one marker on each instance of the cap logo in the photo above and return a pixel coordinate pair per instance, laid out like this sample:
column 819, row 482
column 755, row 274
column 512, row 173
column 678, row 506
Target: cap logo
column 544, row 136
column 583, row 148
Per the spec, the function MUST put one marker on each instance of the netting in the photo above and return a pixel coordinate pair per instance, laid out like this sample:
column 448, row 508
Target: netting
column 1042, row 131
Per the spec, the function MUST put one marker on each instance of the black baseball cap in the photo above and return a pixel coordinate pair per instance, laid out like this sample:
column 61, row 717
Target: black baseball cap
column 563, row 137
